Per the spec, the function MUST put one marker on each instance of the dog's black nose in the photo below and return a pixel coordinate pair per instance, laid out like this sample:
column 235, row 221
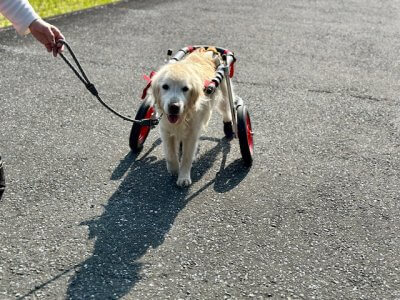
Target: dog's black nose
column 173, row 109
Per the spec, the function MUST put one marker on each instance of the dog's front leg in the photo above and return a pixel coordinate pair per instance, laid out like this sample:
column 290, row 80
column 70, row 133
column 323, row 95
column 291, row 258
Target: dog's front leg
column 189, row 146
column 170, row 152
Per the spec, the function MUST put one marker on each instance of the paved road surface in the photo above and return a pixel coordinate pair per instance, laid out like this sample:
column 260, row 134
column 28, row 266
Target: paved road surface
column 316, row 217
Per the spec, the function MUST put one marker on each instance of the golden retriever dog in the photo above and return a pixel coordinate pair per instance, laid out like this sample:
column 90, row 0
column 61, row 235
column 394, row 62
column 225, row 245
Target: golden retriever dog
column 178, row 91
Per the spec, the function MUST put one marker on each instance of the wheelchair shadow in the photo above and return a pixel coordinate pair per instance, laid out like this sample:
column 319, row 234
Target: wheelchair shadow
column 137, row 217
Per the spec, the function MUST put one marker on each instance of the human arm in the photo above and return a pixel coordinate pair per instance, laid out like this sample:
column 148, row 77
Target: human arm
column 20, row 13
column 25, row 20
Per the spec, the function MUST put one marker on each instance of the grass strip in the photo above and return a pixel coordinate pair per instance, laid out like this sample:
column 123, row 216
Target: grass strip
column 50, row 8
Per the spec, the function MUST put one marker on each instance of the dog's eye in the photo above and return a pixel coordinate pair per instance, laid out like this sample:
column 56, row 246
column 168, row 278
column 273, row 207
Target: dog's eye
column 165, row 87
column 185, row 89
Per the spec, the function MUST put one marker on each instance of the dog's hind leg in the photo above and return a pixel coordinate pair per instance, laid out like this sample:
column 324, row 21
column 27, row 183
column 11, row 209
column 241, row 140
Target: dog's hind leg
column 225, row 110
column 170, row 148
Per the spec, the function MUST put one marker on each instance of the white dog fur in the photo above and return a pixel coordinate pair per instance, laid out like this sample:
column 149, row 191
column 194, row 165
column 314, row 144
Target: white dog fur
column 178, row 91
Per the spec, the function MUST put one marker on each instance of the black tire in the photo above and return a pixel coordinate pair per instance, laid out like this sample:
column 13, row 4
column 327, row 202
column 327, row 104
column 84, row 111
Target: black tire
column 139, row 132
column 245, row 135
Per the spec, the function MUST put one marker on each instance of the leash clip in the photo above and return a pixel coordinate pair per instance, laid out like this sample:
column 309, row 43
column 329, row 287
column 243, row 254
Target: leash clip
column 149, row 122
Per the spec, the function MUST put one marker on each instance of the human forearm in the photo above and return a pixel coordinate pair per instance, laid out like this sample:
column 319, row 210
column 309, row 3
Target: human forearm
column 20, row 13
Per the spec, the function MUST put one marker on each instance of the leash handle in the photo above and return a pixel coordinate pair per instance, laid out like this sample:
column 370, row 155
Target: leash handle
column 92, row 89
column 82, row 75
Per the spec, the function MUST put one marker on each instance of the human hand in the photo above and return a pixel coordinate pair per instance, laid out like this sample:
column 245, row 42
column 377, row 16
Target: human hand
column 48, row 35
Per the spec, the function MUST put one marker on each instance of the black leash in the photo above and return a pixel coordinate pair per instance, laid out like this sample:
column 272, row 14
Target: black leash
column 92, row 89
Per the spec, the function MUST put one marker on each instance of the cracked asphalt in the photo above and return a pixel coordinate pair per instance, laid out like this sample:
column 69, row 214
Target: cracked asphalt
column 316, row 217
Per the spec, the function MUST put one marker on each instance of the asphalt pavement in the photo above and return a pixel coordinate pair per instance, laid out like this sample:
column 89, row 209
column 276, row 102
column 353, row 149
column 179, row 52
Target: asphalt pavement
column 317, row 215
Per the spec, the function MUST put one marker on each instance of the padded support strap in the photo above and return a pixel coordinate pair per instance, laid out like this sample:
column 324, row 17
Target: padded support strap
column 148, row 79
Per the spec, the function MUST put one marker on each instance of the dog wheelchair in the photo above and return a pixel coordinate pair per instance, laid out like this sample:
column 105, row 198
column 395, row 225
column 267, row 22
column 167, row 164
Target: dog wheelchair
column 239, row 128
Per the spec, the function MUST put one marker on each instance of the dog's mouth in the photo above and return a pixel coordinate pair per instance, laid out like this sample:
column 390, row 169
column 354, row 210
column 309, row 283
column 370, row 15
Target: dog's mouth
column 173, row 118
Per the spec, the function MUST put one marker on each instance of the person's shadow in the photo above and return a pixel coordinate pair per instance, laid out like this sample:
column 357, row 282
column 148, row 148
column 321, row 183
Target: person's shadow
column 138, row 216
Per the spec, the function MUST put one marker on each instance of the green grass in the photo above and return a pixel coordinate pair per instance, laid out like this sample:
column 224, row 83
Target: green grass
column 49, row 8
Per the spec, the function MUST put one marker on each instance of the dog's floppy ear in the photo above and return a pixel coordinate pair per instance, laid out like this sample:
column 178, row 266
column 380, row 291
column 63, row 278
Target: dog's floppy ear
column 195, row 92
column 155, row 88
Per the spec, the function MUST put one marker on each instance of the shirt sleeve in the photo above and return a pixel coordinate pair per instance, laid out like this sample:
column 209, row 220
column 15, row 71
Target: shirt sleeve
column 20, row 13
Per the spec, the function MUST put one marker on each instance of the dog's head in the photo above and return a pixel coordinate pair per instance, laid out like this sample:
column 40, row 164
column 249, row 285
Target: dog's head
column 176, row 89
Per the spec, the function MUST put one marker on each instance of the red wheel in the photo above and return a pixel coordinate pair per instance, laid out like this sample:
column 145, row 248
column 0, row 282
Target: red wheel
column 245, row 135
column 139, row 132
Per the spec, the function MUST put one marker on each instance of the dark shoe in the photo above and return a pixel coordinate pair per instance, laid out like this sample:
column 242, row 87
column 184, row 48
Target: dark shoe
column 2, row 179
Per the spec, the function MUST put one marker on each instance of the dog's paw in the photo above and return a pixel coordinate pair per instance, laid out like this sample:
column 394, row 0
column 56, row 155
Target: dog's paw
column 228, row 130
column 184, row 181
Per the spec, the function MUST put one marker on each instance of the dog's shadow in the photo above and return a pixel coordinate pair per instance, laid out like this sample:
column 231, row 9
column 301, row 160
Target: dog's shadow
column 137, row 217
